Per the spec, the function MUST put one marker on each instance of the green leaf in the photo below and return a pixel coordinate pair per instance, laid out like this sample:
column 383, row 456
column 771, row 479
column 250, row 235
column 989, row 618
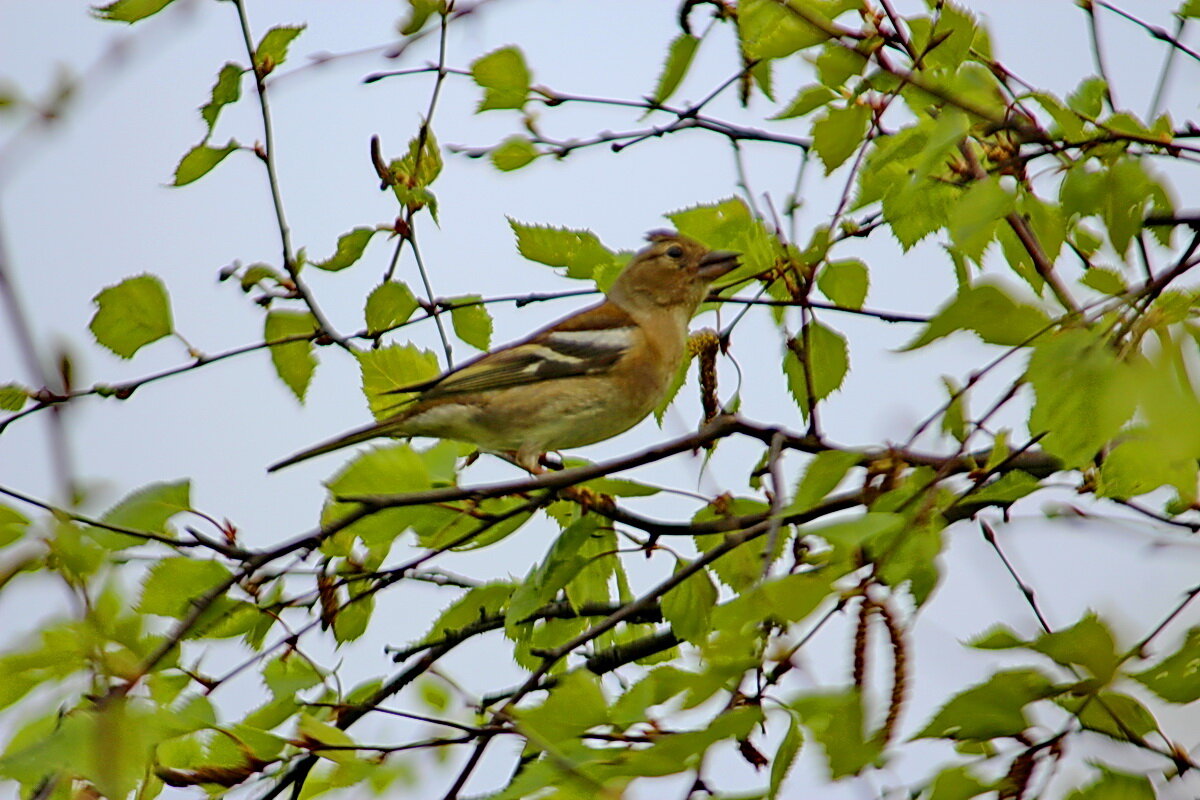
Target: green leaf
column 13, row 396
column 390, row 304
column 989, row 312
column 416, row 169
column 579, row 251
column 294, row 361
column 1083, row 395
column 273, row 47
column 513, row 153
column 352, row 619
column 386, row 369
column 571, row 707
column 200, row 160
column 806, row 101
column 382, row 470
column 420, row 12
column 677, row 381
column 504, row 77
column 132, row 314
column 1174, row 678
column 822, row 475
column 130, row 10
column 1113, row 785
column 844, row 282
column 226, row 90
column 990, row 709
column 1143, row 462
column 472, row 323
column 562, row 563
column 954, row 33
column 1088, row 98
column 13, row 525
column 1190, row 9
column 1116, row 715
column 956, row 783
column 835, row 720
column 785, row 756
column 974, row 218
column 149, row 508
column 316, row 733
column 679, row 58
column 173, row 584
column 837, row 64
column 769, row 30
column 479, row 602
column 1088, row 643
column 839, row 132
column 350, row 247
column 688, row 607
column 828, row 362
column 1107, row 281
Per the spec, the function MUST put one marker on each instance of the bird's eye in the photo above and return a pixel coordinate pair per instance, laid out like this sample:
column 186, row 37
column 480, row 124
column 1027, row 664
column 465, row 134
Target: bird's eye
column 675, row 251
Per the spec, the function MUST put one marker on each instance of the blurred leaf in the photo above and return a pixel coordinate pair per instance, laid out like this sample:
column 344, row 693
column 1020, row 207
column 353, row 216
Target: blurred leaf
column 487, row 600
column 806, row 101
column 990, row 709
column 350, row 247
column 1113, row 714
column 504, row 77
column 416, row 169
column 821, row 476
column 132, row 314
column 173, row 584
column 316, row 733
column 273, row 47
column 835, row 720
column 200, row 160
column 988, row 311
column 1112, row 785
column 13, row 525
column 974, row 218
column 513, row 153
column 1088, row 643
column 294, row 361
column 575, row 704
column 785, row 756
column 1174, row 678
column 130, row 10
column 472, row 323
column 838, row 132
column 679, row 58
column 1083, row 395
column 389, row 304
column 420, row 12
column 769, row 30
column 844, row 282
column 1108, row 281
column 688, row 607
column 146, row 509
column 226, row 90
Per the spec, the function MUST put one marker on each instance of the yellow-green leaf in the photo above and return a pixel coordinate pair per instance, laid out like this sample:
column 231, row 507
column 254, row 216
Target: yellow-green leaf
column 294, row 361
column 132, row 314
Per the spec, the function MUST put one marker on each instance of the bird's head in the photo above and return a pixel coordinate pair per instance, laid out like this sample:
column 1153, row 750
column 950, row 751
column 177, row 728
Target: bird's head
column 672, row 272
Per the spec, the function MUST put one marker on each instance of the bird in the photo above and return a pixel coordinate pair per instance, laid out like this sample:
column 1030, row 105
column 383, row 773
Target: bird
column 583, row 379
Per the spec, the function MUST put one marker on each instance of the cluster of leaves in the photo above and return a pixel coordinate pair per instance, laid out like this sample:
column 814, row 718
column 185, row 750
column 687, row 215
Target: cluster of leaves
column 935, row 139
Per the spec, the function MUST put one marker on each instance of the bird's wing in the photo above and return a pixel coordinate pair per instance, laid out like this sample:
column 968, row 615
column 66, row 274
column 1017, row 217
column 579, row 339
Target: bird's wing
column 586, row 343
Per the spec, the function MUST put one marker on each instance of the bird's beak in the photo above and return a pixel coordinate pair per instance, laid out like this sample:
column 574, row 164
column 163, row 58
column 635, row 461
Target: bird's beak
column 717, row 263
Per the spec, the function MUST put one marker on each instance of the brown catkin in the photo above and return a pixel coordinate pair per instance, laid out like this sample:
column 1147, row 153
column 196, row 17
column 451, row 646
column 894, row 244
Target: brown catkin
column 899, row 670
column 861, row 627
column 705, row 344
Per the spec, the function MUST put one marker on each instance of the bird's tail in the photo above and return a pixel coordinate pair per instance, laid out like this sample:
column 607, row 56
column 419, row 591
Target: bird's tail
column 345, row 440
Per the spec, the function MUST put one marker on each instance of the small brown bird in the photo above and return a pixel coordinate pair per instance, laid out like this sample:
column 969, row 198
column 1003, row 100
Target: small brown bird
column 586, row 378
